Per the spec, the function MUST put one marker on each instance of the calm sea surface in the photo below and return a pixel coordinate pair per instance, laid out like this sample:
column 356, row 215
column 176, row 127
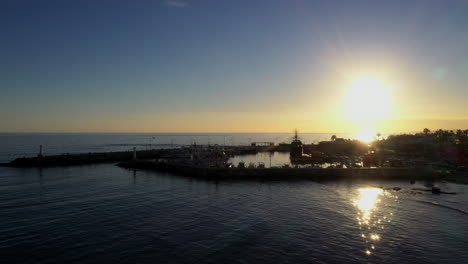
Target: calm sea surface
column 105, row 214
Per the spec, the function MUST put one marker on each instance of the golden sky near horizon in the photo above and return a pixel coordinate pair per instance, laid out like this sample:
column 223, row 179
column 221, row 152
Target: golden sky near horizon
column 356, row 103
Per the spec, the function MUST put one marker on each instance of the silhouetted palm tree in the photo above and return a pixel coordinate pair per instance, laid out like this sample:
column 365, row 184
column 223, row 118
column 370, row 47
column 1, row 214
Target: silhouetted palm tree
column 426, row 131
column 460, row 136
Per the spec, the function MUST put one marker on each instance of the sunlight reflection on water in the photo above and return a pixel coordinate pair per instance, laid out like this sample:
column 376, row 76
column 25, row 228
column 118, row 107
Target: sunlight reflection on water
column 369, row 219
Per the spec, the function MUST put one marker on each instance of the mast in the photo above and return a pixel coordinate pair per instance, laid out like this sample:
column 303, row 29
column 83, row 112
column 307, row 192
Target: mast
column 296, row 137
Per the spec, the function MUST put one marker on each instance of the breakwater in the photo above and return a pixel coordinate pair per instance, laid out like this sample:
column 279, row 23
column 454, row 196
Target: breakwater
column 109, row 157
column 281, row 173
column 88, row 158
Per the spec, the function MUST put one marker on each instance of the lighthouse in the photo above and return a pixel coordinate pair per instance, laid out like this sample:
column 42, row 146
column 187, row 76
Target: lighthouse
column 40, row 152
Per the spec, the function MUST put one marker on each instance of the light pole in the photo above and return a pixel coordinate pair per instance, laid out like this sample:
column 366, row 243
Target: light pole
column 150, row 141
column 270, row 158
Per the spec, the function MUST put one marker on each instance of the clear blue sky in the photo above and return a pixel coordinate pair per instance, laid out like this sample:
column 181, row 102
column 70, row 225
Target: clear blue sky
column 77, row 65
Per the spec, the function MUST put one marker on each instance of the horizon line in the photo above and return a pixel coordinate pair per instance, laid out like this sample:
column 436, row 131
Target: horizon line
column 252, row 132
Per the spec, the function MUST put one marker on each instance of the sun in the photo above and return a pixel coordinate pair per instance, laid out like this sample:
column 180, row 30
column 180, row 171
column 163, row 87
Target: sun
column 368, row 99
column 366, row 135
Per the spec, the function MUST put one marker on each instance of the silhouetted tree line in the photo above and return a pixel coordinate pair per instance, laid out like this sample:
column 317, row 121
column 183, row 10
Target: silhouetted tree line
column 342, row 147
column 447, row 145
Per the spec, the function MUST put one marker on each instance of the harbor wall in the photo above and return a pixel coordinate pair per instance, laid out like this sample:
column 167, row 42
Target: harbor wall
column 285, row 173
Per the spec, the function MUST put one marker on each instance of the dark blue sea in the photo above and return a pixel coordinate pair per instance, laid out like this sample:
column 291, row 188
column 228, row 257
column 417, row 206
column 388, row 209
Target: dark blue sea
column 106, row 214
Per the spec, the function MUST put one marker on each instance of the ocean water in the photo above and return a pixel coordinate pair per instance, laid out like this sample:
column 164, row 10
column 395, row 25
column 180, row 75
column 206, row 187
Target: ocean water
column 106, row 214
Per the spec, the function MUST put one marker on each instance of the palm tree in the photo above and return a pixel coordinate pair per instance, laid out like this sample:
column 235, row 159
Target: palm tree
column 426, row 131
column 460, row 136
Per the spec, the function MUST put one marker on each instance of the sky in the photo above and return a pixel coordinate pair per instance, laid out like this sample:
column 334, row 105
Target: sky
column 232, row 66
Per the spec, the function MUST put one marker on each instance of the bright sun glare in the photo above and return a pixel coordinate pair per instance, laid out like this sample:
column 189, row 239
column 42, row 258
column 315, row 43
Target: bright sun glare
column 368, row 99
column 367, row 201
column 366, row 135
